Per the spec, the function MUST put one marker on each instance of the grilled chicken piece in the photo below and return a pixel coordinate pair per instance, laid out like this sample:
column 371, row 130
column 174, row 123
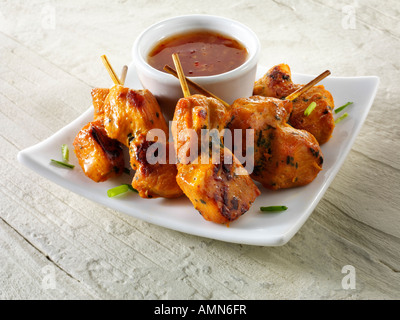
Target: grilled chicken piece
column 99, row 95
column 153, row 180
column 284, row 157
column 99, row 156
column 220, row 192
column 194, row 114
column 220, row 189
column 320, row 123
column 276, row 83
column 129, row 115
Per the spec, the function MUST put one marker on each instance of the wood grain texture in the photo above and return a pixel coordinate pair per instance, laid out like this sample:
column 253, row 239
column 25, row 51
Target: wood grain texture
column 47, row 70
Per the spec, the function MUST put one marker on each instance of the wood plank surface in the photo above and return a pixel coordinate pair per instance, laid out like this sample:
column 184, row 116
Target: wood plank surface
column 55, row 244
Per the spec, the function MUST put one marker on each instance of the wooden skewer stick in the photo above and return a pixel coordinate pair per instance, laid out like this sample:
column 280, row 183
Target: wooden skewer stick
column 196, row 86
column 123, row 74
column 181, row 75
column 110, row 70
column 306, row 87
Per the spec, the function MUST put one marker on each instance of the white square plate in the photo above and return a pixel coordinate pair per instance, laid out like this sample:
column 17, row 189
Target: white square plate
column 254, row 227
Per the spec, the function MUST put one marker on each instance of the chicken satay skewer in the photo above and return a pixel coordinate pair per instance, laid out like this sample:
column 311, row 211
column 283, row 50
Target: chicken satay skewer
column 99, row 156
column 220, row 190
column 110, row 70
column 285, row 157
column 133, row 114
column 307, row 86
column 277, row 83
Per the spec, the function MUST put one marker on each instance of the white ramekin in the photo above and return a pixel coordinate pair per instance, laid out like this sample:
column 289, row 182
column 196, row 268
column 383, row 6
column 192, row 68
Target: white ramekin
column 229, row 86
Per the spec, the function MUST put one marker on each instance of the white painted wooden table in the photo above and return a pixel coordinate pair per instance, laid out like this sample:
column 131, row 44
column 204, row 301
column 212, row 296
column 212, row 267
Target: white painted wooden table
column 55, row 244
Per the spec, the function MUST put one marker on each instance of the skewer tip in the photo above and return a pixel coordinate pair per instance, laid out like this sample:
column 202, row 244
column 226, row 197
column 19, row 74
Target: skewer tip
column 110, row 70
column 123, row 74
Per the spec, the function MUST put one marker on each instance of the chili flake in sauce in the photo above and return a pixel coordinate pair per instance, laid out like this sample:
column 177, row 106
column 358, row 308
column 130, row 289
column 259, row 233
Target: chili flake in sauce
column 201, row 53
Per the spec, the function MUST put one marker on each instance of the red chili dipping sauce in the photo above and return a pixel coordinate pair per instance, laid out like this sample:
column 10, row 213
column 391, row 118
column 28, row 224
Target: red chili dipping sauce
column 201, row 53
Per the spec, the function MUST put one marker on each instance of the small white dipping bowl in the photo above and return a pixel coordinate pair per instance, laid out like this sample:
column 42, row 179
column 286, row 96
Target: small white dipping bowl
column 229, row 86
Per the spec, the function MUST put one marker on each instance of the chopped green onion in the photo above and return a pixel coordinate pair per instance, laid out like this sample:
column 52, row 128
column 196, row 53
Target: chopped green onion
column 341, row 118
column 274, row 208
column 120, row 190
column 63, row 164
column 65, row 152
column 342, row 107
column 117, row 190
column 310, row 109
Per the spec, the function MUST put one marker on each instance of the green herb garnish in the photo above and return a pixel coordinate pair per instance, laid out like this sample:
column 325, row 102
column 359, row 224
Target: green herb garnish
column 341, row 118
column 310, row 109
column 342, row 107
column 120, row 190
column 273, row 208
column 65, row 152
column 62, row 164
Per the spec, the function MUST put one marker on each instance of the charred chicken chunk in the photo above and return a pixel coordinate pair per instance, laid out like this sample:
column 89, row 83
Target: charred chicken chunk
column 284, row 157
column 277, row 83
column 99, row 156
column 194, row 114
column 129, row 115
